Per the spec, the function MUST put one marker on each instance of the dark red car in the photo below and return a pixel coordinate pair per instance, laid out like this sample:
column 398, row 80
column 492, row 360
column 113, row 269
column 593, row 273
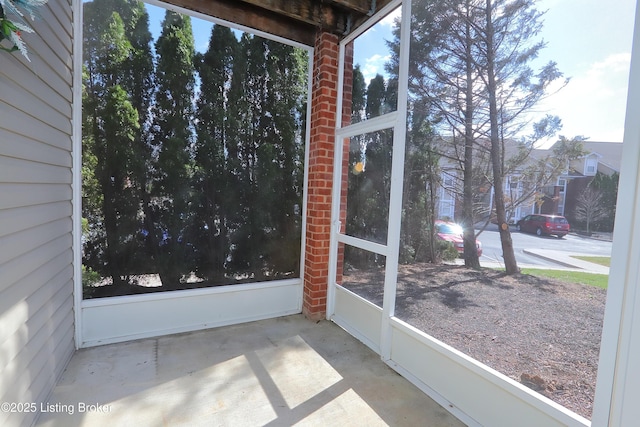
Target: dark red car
column 452, row 232
column 551, row 225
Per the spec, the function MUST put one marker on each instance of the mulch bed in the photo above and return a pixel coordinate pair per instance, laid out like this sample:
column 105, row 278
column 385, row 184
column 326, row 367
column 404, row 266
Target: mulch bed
column 541, row 332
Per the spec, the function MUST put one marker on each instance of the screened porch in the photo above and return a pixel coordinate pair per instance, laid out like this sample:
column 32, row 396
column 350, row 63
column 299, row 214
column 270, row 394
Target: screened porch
column 263, row 325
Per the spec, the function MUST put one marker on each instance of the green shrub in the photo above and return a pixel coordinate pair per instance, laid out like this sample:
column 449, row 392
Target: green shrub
column 446, row 250
column 89, row 279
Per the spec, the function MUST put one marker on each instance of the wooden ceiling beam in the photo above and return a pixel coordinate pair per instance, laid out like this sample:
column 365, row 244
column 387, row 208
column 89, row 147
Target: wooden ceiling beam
column 248, row 15
column 362, row 7
column 311, row 12
column 294, row 20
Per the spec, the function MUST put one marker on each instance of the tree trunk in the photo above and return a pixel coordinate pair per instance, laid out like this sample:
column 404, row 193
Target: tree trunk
column 431, row 217
column 469, row 236
column 510, row 264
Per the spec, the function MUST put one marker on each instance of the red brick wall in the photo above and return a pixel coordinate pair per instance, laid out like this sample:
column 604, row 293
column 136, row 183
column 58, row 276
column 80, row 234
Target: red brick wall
column 324, row 97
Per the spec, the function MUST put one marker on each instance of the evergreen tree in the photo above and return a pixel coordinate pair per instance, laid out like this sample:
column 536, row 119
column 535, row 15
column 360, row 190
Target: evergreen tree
column 173, row 137
column 265, row 146
column 92, row 197
column 370, row 175
column 247, row 102
column 420, row 190
column 215, row 189
column 266, row 157
column 117, row 77
column 376, row 97
column 280, row 159
column 211, row 182
column 121, row 201
column 418, row 242
column 138, row 82
column 259, row 154
column 358, row 95
column 110, row 127
column 424, row 147
column 377, row 167
column 356, row 198
column 238, row 119
column 607, row 185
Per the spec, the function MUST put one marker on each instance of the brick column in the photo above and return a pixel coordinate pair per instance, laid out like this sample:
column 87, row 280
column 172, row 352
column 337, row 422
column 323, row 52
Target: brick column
column 324, row 97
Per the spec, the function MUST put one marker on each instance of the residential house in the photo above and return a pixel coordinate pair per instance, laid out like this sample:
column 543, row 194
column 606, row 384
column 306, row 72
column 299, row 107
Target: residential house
column 519, row 188
column 600, row 157
column 555, row 196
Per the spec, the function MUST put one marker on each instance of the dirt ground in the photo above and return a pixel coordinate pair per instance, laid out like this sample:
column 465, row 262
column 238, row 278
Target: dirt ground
column 543, row 333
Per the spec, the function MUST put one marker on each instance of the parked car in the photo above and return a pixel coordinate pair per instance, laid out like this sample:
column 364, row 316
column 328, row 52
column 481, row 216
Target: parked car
column 544, row 225
column 452, row 232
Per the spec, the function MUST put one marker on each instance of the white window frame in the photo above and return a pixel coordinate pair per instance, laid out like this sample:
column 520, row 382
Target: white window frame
column 618, row 385
column 591, row 165
column 123, row 318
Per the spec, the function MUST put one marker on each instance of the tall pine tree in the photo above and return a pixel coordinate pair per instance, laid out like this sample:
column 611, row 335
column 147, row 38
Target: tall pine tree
column 280, row 158
column 173, row 138
column 110, row 126
column 370, row 175
column 212, row 184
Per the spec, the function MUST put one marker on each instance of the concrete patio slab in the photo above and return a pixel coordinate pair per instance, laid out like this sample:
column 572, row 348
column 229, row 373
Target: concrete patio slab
column 279, row 372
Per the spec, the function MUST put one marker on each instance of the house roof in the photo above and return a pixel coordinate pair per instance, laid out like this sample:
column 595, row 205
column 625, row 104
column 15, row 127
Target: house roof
column 610, row 153
column 294, row 20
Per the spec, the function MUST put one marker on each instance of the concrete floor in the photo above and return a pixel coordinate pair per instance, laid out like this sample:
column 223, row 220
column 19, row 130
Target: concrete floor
column 279, row 372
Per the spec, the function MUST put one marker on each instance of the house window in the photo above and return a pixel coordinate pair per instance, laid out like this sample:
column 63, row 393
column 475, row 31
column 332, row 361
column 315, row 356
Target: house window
column 591, row 166
column 562, row 183
column 447, row 180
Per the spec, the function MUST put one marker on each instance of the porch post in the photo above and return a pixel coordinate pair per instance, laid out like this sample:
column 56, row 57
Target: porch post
column 618, row 385
column 324, row 98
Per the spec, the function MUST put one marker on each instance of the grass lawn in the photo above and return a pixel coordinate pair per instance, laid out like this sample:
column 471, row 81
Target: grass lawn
column 602, row 260
column 591, row 279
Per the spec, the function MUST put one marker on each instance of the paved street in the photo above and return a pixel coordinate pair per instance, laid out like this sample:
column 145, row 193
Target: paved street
column 529, row 247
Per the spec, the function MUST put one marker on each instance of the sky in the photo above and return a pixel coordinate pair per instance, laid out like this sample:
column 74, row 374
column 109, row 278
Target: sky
column 590, row 40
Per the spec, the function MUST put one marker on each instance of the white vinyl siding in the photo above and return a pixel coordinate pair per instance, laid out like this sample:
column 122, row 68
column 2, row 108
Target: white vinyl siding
column 36, row 258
